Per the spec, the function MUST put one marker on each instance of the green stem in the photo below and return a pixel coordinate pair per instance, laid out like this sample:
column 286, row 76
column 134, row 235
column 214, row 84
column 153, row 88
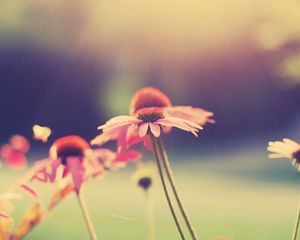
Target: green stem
column 170, row 176
column 86, row 216
column 159, row 167
column 150, row 216
column 297, row 221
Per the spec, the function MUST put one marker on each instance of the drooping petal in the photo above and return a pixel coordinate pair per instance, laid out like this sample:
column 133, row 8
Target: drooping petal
column 118, row 122
column 75, row 167
column 181, row 124
column 155, row 129
column 143, row 129
column 31, row 192
column 197, row 115
column 128, row 155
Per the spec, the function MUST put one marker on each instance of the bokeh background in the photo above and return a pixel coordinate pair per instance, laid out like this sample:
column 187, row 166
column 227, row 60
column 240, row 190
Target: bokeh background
column 71, row 65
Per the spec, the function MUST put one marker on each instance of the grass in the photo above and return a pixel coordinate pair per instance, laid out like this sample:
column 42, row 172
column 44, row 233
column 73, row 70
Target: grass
column 243, row 196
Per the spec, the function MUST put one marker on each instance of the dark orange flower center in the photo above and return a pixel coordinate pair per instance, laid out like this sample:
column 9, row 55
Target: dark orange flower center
column 150, row 114
column 148, row 97
column 69, row 146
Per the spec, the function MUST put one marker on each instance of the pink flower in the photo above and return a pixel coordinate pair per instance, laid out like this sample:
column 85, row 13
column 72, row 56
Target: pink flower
column 74, row 155
column 148, row 120
column 13, row 153
column 152, row 97
column 151, row 111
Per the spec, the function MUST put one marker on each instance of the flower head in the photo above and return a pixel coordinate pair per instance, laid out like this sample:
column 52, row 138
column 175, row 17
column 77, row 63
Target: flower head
column 286, row 148
column 149, row 120
column 148, row 97
column 143, row 177
column 14, row 152
column 151, row 113
column 74, row 156
column 69, row 146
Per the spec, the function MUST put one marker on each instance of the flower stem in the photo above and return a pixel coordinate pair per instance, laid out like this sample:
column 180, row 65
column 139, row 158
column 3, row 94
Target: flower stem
column 170, row 176
column 150, row 216
column 86, row 216
column 159, row 167
column 297, row 221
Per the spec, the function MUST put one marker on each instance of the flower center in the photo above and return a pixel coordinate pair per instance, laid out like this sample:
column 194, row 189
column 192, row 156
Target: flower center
column 145, row 182
column 148, row 97
column 150, row 114
column 69, row 146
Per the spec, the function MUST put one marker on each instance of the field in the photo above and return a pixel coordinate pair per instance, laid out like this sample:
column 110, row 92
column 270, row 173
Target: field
column 242, row 195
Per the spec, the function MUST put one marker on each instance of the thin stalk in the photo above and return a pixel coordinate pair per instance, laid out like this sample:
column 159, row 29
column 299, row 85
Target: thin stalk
column 171, row 179
column 86, row 216
column 297, row 221
column 159, row 167
column 150, row 216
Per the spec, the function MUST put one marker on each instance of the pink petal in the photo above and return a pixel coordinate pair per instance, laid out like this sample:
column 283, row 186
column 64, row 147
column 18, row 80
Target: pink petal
column 54, row 166
column 147, row 143
column 12, row 157
column 75, row 167
column 122, row 137
column 20, row 143
column 32, row 193
column 198, row 115
column 143, row 129
column 105, row 137
column 128, row 155
column 155, row 129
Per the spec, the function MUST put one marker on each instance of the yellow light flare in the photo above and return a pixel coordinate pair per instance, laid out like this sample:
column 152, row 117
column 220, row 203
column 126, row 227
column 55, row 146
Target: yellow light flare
column 41, row 133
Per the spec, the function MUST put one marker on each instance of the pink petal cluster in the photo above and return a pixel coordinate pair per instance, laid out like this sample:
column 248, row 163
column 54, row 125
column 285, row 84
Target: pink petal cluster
column 14, row 153
column 151, row 112
column 74, row 156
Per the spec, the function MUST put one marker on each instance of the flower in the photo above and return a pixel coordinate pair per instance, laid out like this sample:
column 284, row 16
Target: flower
column 41, row 133
column 150, row 112
column 286, row 148
column 148, row 120
column 74, row 156
column 13, row 153
column 152, row 97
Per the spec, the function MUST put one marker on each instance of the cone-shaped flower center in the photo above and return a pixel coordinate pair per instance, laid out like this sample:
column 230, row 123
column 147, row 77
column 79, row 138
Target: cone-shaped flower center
column 69, row 146
column 145, row 182
column 150, row 114
column 296, row 156
column 148, row 97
